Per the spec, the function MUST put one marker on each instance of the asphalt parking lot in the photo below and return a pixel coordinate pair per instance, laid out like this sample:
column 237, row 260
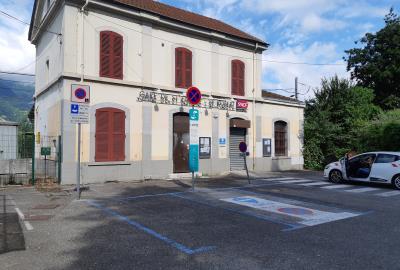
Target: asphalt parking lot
column 283, row 221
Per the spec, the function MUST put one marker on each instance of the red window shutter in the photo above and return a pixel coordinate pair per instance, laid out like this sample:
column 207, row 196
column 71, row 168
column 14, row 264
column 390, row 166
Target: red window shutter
column 234, row 78
column 110, row 135
column 183, row 68
column 238, row 77
column 102, row 135
column 118, row 47
column 188, row 69
column 105, row 54
column 178, row 67
column 111, row 55
column 118, row 133
column 241, row 78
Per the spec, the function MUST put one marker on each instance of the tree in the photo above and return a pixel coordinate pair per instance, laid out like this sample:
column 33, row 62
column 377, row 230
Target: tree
column 377, row 64
column 333, row 120
column 382, row 133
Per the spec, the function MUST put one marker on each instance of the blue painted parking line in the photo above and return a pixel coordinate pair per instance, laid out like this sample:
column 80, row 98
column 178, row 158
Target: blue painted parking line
column 151, row 232
column 290, row 226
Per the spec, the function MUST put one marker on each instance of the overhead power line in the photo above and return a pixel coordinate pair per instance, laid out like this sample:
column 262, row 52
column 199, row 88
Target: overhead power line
column 17, row 73
column 25, row 82
column 302, row 63
column 23, row 22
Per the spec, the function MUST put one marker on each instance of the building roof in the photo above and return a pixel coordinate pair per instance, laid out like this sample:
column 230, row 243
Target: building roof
column 187, row 17
column 7, row 123
column 269, row 95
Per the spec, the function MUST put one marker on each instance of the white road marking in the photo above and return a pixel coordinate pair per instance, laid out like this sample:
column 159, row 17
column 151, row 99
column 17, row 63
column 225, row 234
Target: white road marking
column 295, row 181
column 315, row 184
column 361, row 190
column 308, row 216
column 279, row 179
column 389, row 193
column 20, row 214
column 27, row 224
column 337, row 186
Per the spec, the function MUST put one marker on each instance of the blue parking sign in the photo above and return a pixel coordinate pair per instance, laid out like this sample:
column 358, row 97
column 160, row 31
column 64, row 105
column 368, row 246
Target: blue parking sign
column 74, row 108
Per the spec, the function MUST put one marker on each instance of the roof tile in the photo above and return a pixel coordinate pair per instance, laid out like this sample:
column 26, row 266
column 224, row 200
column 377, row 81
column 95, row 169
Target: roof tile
column 187, row 17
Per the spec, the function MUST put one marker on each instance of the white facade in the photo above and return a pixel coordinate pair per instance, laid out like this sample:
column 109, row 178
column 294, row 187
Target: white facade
column 149, row 44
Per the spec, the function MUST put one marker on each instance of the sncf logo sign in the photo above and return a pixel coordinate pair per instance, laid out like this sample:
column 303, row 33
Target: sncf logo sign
column 242, row 105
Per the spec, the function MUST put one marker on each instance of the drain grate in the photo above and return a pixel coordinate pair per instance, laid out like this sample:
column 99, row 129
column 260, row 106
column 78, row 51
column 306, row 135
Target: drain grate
column 46, row 206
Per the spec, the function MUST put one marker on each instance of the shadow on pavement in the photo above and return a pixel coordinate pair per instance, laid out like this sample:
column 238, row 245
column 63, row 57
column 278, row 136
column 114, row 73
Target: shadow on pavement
column 11, row 234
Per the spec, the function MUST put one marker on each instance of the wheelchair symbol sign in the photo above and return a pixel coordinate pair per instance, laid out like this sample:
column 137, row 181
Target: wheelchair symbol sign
column 74, row 108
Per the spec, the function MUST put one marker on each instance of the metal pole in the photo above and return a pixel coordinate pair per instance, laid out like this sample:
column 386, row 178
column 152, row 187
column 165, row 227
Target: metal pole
column 78, row 170
column 193, row 181
column 45, row 168
column 245, row 165
column 33, row 159
column 59, row 159
column 296, row 92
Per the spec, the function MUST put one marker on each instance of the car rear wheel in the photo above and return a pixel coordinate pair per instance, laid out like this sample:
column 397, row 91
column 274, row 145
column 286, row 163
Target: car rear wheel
column 396, row 182
column 335, row 176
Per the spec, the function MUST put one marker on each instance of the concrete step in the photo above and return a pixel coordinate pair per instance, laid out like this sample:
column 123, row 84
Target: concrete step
column 175, row 176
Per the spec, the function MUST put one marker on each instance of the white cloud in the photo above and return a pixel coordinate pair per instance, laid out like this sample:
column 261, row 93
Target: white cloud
column 16, row 51
column 310, row 75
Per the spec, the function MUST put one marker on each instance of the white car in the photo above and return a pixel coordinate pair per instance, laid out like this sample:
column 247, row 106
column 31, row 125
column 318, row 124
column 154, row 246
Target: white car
column 376, row 167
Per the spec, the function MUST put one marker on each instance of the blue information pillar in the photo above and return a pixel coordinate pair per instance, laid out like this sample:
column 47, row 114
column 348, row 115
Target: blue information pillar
column 194, row 140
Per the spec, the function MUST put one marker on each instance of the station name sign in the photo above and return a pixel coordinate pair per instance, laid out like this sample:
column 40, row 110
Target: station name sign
column 179, row 100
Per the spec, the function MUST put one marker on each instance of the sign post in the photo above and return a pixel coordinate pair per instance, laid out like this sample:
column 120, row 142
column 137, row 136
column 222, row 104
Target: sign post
column 243, row 149
column 80, row 99
column 45, row 151
column 194, row 97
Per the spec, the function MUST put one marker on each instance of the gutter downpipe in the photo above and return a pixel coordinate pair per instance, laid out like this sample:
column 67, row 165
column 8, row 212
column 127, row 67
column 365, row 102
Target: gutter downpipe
column 83, row 39
column 254, row 107
column 78, row 170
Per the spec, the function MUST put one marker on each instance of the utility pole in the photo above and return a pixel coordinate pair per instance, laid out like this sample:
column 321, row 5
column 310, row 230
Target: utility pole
column 296, row 92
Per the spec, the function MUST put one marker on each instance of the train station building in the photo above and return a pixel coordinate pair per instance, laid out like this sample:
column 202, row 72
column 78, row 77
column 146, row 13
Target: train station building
column 135, row 60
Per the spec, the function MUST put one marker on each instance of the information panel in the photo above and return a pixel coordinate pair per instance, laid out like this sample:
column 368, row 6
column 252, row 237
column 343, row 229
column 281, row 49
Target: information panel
column 194, row 140
column 205, row 147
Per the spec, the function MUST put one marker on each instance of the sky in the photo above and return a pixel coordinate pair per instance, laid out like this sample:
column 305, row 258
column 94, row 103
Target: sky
column 301, row 31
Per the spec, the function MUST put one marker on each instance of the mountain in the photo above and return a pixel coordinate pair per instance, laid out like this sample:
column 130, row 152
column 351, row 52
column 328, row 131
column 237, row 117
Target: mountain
column 16, row 97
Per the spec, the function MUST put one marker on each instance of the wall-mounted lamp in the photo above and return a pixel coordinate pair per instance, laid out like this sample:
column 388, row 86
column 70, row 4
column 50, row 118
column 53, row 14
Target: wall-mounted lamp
column 227, row 114
column 180, row 109
column 156, row 107
column 206, row 112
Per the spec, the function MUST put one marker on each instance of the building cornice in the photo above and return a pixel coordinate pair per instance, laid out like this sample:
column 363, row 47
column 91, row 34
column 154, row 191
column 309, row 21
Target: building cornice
column 153, row 87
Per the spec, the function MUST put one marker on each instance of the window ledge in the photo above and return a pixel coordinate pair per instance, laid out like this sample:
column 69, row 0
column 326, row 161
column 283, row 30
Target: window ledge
column 109, row 163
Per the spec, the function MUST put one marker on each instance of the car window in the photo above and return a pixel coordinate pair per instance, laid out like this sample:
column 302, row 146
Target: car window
column 386, row 158
column 361, row 158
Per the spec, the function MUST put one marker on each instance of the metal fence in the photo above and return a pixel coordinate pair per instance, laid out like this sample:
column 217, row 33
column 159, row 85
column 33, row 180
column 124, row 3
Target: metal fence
column 16, row 158
column 26, row 158
column 47, row 161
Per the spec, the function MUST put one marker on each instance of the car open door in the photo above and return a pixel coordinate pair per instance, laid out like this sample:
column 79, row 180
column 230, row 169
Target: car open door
column 344, row 163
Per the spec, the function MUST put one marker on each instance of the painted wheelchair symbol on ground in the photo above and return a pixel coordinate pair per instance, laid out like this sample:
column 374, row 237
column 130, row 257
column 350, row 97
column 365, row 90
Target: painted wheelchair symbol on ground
column 292, row 211
column 295, row 211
